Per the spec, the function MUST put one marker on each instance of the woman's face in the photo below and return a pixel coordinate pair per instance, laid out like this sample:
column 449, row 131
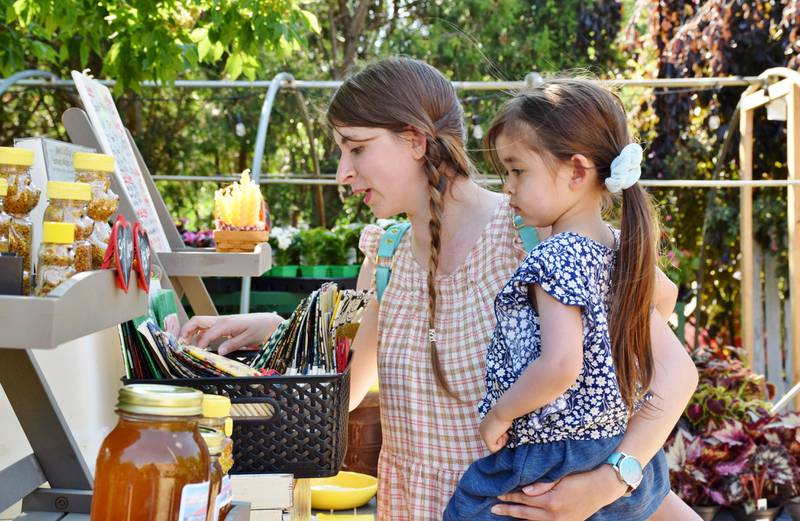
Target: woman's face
column 383, row 165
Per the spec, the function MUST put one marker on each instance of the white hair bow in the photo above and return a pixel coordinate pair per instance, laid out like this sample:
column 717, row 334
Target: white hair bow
column 626, row 169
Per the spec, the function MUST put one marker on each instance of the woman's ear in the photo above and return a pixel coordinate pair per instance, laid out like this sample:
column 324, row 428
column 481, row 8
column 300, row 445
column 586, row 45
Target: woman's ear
column 583, row 171
column 417, row 141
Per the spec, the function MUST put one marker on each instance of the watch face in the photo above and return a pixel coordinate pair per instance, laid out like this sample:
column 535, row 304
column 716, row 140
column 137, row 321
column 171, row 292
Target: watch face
column 630, row 470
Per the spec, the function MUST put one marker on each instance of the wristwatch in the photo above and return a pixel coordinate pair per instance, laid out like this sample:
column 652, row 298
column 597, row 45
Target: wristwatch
column 628, row 469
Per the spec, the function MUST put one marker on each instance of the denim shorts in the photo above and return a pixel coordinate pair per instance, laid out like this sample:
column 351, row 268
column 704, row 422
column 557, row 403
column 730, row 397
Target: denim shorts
column 510, row 469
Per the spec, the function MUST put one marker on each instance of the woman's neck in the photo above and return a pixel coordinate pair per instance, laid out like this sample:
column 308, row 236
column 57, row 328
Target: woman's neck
column 467, row 208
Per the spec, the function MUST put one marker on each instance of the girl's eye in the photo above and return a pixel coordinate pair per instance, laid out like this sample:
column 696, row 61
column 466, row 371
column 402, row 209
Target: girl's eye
column 515, row 171
column 356, row 150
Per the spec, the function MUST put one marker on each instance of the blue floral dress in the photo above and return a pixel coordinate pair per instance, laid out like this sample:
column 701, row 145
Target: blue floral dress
column 578, row 430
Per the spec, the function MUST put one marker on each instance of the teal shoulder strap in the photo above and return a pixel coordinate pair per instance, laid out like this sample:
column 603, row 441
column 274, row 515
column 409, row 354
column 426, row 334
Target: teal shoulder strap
column 394, row 234
column 386, row 247
column 528, row 234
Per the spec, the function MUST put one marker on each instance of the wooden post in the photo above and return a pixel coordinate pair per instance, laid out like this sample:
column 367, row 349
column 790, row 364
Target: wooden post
column 793, row 224
column 746, row 228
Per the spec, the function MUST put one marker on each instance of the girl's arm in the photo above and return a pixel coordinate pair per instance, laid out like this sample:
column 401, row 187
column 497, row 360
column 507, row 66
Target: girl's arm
column 558, row 366
column 364, row 361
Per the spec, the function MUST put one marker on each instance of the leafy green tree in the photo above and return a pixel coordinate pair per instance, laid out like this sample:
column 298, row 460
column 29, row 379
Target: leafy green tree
column 132, row 41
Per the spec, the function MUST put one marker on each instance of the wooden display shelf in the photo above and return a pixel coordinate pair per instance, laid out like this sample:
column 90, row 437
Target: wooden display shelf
column 86, row 303
column 239, row 512
column 206, row 262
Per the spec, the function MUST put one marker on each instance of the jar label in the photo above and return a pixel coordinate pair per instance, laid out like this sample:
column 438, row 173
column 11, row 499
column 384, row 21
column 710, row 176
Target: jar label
column 225, row 496
column 194, row 502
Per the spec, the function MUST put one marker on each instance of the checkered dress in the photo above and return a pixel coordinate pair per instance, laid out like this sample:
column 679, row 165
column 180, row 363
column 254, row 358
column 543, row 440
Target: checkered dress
column 429, row 439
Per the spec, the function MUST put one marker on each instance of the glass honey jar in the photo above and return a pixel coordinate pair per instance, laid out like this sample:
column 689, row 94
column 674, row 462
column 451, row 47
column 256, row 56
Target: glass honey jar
column 154, row 465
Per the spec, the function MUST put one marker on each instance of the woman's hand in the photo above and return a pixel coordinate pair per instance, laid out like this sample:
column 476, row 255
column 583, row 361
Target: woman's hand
column 573, row 498
column 242, row 331
column 494, row 431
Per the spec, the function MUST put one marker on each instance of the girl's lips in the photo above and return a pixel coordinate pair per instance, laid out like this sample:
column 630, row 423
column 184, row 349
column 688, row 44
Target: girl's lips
column 367, row 195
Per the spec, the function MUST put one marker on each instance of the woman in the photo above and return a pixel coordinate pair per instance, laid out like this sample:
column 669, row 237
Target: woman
column 401, row 132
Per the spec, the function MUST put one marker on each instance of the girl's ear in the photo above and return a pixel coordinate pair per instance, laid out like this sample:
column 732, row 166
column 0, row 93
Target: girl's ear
column 417, row 141
column 583, row 171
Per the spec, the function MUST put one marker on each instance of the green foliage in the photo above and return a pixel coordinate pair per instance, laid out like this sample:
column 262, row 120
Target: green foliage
column 148, row 40
column 685, row 131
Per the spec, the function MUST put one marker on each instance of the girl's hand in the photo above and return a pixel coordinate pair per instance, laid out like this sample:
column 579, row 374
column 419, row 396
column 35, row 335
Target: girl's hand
column 494, row 431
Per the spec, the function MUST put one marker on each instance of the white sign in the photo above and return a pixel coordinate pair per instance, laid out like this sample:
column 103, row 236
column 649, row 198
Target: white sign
column 113, row 140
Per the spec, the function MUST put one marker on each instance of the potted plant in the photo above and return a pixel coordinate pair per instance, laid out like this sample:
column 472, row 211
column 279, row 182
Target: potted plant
column 787, row 429
column 727, row 390
column 756, row 470
column 285, row 250
column 692, row 460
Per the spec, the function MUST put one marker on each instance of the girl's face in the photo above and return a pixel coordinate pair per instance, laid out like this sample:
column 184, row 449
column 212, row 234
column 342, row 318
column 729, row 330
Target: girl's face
column 383, row 165
column 537, row 194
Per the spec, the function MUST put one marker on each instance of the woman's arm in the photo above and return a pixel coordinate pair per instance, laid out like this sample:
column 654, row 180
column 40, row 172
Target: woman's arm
column 674, row 382
column 364, row 361
column 666, row 294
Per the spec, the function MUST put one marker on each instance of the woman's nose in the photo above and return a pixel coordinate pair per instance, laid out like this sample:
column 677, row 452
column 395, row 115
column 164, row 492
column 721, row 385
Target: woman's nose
column 344, row 170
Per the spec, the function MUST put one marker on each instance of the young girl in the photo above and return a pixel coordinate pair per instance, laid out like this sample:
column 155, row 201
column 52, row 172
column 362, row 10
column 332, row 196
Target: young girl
column 570, row 359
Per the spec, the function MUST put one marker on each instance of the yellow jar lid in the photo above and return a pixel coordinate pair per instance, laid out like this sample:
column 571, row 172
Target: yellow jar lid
column 58, row 233
column 215, row 406
column 213, row 438
column 3, row 187
column 160, row 400
column 97, row 162
column 70, row 191
column 16, row 156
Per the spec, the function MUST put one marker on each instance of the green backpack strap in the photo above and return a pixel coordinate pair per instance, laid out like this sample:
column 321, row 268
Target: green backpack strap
column 386, row 247
column 528, row 234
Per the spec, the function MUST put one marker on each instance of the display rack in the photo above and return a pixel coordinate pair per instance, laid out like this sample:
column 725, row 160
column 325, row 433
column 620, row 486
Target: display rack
column 87, row 303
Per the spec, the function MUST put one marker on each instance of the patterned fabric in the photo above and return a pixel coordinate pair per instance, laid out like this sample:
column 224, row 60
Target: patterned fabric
column 576, row 271
column 429, row 439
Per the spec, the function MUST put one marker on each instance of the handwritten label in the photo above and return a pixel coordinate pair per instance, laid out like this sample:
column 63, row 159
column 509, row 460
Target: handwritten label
column 113, row 140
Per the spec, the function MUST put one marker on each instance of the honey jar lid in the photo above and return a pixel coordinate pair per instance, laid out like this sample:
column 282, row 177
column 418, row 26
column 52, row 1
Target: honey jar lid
column 160, row 400
column 16, row 156
column 70, row 191
column 3, row 187
column 89, row 161
column 215, row 406
column 213, row 438
column 58, row 233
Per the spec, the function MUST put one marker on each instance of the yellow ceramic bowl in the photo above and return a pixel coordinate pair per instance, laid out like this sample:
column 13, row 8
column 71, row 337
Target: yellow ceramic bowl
column 344, row 491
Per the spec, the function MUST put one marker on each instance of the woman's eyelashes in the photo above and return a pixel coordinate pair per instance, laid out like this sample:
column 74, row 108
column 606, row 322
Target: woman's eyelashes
column 356, row 150
column 515, row 172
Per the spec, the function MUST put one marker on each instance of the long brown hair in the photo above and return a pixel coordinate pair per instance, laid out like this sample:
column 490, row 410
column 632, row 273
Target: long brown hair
column 398, row 93
column 568, row 116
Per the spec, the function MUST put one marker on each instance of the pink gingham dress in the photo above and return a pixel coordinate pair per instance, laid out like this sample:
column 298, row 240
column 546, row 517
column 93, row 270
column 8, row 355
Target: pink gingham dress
column 429, row 439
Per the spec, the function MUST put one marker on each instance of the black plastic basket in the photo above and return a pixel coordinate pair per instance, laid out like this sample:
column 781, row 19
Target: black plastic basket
column 306, row 434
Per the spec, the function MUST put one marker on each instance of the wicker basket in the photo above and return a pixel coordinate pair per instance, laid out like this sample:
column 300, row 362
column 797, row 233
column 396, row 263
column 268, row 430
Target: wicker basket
column 299, row 425
column 238, row 240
